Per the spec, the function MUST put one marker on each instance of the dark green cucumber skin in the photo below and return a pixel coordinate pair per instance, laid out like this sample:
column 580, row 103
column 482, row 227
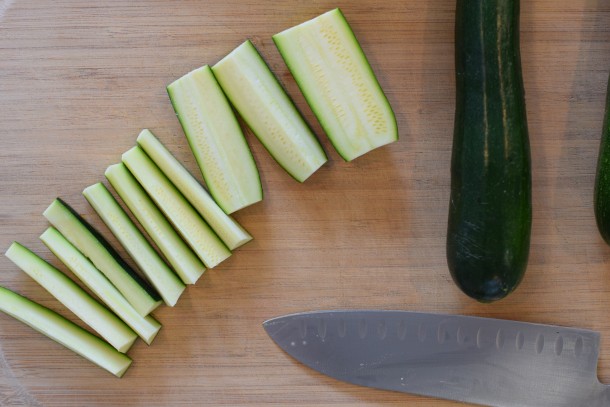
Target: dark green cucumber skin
column 490, row 209
column 601, row 196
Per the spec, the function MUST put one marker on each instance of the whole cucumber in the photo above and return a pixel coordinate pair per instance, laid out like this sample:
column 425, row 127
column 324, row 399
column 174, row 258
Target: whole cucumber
column 602, row 179
column 490, row 211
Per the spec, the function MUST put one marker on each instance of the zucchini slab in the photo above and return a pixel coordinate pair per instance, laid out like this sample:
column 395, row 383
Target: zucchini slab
column 199, row 236
column 152, row 265
column 64, row 332
column 70, row 294
column 105, row 258
column 146, row 327
column 264, row 105
column 176, row 251
column 231, row 232
column 216, row 140
column 339, row 84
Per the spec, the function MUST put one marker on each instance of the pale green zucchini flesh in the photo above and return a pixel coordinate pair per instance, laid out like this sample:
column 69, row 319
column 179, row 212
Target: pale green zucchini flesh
column 176, row 251
column 339, row 84
column 70, row 294
column 216, row 140
column 199, row 236
column 96, row 248
column 146, row 327
column 64, row 332
column 264, row 105
column 166, row 282
column 230, row 232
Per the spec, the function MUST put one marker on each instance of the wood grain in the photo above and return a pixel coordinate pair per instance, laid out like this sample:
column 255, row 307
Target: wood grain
column 79, row 79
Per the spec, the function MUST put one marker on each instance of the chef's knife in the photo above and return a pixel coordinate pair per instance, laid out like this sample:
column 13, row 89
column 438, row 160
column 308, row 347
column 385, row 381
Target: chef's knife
column 470, row 359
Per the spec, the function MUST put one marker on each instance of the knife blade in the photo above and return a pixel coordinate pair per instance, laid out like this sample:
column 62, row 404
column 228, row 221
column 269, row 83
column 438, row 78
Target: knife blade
column 476, row 360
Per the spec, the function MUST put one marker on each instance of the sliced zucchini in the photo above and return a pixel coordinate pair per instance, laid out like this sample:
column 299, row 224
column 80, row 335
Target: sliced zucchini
column 152, row 265
column 180, row 256
column 70, row 294
column 181, row 214
column 146, row 327
column 231, row 233
column 64, row 332
column 339, row 84
column 260, row 100
column 216, row 140
column 105, row 258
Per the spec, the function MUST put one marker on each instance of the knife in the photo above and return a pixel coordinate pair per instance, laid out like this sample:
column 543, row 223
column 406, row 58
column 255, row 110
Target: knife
column 469, row 359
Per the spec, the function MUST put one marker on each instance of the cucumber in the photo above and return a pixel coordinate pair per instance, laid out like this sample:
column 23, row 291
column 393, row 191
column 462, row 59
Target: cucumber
column 339, row 84
column 168, row 285
column 601, row 194
column 180, row 256
column 146, row 327
column 490, row 212
column 264, row 105
column 229, row 231
column 105, row 258
column 216, row 140
column 66, row 291
column 64, row 332
column 204, row 242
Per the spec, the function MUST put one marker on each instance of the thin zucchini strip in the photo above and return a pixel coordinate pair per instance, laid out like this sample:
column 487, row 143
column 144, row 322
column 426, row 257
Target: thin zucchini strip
column 146, row 327
column 152, row 265
column 199, row 236
column 231, row 232
column 70, row 294
column 64, row 332
column 105, row 258
column 176, row 251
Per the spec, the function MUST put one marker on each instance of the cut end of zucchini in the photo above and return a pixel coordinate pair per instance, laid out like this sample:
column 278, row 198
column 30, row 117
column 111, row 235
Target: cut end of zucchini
column 216, row 140
column 339, row 84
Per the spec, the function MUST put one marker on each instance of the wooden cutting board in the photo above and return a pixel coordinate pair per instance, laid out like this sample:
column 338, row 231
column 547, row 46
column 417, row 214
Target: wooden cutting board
column 80, row 79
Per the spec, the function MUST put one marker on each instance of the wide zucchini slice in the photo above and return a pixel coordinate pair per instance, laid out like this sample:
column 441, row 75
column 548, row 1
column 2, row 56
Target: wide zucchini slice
column 146, row 327
column 216, row 140
column 186, row 264
column 339, row 84
column 64, row 332
column 199, row 236
column 96, row 248
column 150, row 263
column 70, row 294
column 260, row 100
column 231, row 232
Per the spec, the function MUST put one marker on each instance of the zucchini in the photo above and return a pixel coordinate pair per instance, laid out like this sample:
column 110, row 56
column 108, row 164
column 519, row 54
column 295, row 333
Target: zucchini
column 204, row 242
column 229, row 231
column 264, row 105
column 339, row 84
column 105, row 258
column 180, row 256
column 490, row 211
column 601, row 194
column 216, row 140
column 64, row 332
column 66, row 291
column 146, row 327
column 168, row 285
